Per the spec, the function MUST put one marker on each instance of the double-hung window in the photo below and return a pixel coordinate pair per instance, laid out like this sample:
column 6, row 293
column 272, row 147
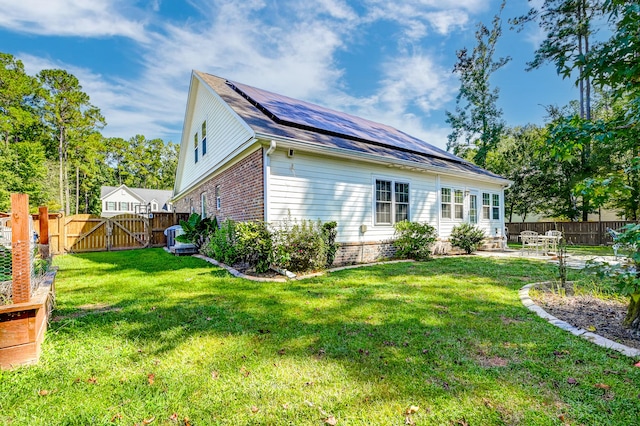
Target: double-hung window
column 111, row 206
column 458, row 204
column 490, row 206
column 195, row 147
column 451, row 203
column 392, row 202
column 473, row 209
column 203, row 205
column 496, row 207
column 486, row 206
column 445, row 202
column 204, row 137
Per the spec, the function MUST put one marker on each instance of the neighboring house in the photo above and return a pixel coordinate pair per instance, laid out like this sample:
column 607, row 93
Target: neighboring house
column 249, row 154
column 121, row 199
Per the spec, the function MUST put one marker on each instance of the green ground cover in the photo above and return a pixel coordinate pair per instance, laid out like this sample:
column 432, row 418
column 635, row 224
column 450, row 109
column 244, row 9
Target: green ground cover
column 143, row 336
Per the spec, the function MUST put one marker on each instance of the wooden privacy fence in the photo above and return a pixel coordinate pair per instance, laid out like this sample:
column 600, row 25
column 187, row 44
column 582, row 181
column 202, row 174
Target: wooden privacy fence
column 84, row 232
column 581, row 233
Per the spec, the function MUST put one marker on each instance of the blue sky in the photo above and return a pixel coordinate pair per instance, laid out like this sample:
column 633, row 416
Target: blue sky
column 388, row 61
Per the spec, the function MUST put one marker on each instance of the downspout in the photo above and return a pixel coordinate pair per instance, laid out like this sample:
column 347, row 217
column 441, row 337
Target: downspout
column 266, row 160
column 504, row 208
column 438, row 205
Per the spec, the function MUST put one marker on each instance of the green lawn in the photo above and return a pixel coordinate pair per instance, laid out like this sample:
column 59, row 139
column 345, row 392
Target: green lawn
column 143, row 336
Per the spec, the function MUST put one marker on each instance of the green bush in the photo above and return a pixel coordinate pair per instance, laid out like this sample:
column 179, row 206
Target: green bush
column 197, row 230
column 222, row 243
column 329, row 234
column 414, row 240
column 467, row 237
column 254, row 244
column 299, row 247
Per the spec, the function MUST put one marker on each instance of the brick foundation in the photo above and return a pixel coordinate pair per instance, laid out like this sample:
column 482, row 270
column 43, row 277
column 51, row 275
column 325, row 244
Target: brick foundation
column 240, row 188
column 352, row 253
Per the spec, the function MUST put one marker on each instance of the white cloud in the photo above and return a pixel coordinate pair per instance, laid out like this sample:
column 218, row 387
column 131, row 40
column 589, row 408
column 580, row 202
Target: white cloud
column 95, row 18
column 444, row 21
column 128, row 108
column 285, row 47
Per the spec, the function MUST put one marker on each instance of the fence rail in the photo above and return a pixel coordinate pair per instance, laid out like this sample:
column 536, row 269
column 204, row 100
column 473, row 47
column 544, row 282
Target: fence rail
column 80, row 233
column 581, row 233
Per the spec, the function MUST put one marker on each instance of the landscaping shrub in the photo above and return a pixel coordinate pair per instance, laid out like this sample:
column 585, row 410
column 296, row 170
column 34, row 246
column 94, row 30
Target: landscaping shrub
column 414, row 239
column 467, row 237
column 329, row 233
column 299, row 246
column 197, row 230
column 222, row 243
column 254, row 244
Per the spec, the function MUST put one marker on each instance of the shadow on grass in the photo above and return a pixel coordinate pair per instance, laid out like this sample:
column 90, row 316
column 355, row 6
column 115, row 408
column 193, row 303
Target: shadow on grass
column 439, row 329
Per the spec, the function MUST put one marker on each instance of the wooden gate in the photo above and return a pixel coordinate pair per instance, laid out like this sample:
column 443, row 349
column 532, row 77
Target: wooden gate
column 84, row 232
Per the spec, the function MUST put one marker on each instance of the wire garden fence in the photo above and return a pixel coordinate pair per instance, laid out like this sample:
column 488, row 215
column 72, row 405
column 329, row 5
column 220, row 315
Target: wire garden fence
column 13, row 259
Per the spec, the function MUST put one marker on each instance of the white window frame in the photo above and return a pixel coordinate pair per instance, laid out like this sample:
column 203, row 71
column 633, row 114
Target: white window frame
column 446, row 202
column 454, row 207
column 473, row 210
column 393, row 202
column 195, row 147
column 204, row 138
column 491, row 208
column 495, row 206
column 203, row 205
column 486, row 207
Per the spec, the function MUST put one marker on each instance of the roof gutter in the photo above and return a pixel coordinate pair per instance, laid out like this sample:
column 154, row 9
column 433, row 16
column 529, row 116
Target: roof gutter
column 402, row 164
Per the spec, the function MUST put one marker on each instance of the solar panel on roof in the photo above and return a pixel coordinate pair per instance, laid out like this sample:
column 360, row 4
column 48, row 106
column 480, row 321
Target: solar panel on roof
column 296, row 113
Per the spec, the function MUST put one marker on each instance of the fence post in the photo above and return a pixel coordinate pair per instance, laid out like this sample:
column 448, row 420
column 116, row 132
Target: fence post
column 43, row 214
column 20, row 247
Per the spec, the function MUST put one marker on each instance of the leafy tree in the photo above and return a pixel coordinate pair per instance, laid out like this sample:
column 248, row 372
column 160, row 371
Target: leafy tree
column 71, row 117
column 568, row 25
column 522, row 157
column 143, row 163
column 20, row 95
column 477, row 123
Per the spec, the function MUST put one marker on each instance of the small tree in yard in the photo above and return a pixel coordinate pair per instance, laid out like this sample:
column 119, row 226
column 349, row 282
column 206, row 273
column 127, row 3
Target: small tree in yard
column 414, row 240
column 197, row 230
column 467, row 237
column 627, row 275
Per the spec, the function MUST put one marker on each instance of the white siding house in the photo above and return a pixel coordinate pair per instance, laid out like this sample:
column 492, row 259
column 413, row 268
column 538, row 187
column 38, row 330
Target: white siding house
column 269, row 157
column 121, row 199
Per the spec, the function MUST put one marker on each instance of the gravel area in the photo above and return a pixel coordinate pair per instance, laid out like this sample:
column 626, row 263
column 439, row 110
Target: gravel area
column 600, row 316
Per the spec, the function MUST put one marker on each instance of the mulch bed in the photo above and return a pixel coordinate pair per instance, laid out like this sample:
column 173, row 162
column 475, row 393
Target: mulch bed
column 600, row 316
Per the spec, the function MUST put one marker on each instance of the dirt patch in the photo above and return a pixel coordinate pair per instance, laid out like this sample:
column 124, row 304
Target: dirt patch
column 244, row 268
column 600, row 316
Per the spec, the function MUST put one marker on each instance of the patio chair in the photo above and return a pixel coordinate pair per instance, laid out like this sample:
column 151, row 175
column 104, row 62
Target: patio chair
column 530, row 240
column 615, row 246
column 556, row 236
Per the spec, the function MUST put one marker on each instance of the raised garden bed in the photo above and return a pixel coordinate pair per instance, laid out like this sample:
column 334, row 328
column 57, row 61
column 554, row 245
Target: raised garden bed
column 23, row 325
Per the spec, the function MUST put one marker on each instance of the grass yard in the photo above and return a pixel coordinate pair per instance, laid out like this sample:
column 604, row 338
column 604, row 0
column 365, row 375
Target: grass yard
column 143, row 337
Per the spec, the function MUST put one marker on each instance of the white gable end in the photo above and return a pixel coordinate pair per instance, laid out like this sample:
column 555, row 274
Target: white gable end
column 225, row 132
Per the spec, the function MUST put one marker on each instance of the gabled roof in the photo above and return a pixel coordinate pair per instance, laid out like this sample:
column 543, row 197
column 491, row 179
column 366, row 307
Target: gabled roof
column 273, row 116
column 160, row 196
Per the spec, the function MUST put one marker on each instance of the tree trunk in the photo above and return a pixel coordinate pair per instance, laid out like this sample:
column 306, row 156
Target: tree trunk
column 67, row 208
column 632, row 320
column 61, row 159
column 77, row 189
